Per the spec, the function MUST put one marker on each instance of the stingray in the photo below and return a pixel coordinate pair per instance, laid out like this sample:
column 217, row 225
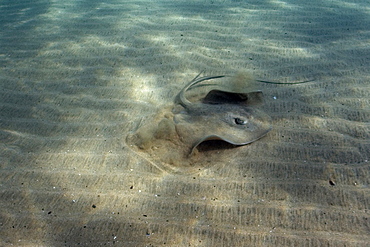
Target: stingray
column 221, row 108
column 227, row 113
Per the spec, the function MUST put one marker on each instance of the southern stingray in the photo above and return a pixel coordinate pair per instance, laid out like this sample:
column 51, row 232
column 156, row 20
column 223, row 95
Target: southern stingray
column 208, row 109
column 228, row 112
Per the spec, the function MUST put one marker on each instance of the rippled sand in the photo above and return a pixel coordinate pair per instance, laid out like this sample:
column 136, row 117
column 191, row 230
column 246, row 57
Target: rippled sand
column 76, row 77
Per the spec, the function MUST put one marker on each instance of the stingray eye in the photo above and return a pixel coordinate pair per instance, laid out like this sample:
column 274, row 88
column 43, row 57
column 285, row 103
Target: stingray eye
column 240, row 121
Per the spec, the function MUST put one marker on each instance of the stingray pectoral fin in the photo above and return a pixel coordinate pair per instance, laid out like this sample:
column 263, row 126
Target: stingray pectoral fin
column 224, row 97
column 207, row 138
column 226, row 139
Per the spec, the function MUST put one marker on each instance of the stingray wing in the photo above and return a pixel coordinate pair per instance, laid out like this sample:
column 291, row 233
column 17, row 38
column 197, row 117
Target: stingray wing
column 230, row 140
column 224, row 97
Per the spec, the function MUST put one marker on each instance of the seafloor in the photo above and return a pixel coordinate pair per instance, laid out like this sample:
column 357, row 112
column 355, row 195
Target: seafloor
column 76, row 77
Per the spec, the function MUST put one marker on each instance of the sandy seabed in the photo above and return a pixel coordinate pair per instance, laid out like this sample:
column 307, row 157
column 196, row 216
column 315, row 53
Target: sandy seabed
column 77, row 77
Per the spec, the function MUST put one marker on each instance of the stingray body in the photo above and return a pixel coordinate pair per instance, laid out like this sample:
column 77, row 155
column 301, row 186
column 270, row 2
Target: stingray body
column 225, row 110
column 226, row 113
column 208, row 108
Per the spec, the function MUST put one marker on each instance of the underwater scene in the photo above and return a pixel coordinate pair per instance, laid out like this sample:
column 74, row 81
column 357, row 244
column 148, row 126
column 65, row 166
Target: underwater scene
column 185, row 123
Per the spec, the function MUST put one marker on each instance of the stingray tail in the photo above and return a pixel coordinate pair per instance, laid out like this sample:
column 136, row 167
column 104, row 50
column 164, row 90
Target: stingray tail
column 289, row 83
